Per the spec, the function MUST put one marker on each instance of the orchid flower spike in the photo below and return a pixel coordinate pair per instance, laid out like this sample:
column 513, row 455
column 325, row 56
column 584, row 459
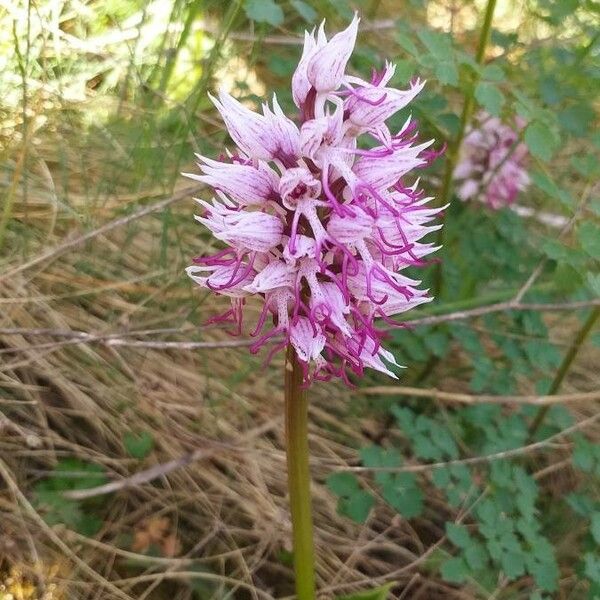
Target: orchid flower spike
column 490, row 167
column 315, row 226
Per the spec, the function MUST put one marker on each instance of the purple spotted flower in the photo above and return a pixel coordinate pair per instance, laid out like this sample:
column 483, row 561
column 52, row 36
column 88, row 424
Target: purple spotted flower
column 314, row 224
column 491, row 168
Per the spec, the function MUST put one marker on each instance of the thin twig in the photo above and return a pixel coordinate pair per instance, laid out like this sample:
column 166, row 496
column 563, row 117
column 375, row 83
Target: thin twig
column 119, row 339
column 501, row 307
column 53, row 253
column 397, row 390
column 163, row 469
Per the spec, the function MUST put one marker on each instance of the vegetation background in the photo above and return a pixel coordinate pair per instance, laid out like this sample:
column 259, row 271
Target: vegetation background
column 476, row 477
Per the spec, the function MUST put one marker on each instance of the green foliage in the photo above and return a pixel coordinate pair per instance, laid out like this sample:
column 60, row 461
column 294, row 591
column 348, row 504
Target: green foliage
column 70, row 474
column 353, row 501
column 540, row 140
column 265, row 11
column 490, row 97
column 305, row 10
column 138, row 445
column 505, row 533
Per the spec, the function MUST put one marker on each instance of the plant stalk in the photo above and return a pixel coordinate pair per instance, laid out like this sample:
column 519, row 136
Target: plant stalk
column 565, row 365
column 296, row 433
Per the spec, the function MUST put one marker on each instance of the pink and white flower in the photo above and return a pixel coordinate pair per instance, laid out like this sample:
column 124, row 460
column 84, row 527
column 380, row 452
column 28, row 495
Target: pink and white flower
column 316, row 226
column 490, row 168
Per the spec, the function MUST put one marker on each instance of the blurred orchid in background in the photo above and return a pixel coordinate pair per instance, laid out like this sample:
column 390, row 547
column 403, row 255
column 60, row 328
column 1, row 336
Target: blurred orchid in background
column 491, row 166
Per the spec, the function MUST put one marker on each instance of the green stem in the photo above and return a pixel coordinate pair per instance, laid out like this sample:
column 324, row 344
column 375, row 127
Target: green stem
column 465, row 117
column 296, row 431
column 565, row 366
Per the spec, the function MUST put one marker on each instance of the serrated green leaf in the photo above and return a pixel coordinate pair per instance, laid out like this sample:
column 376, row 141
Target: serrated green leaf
column 438, row 44
column 561, row 253
column 545, row 575
column 576, row 119
column 476, row 556
column 407, row 44
column 493, row 73
column 441, row 477
column 357, row 506
column 408, row 501
column 587, row 165
column 547, row 185
column 581, row 504
column 305, row 10
column 342, row 484
column 513, row 564
column 490, row 97
column 540, row 140
column 458, row 534
column 454, row 570
column 583, row 455
column 264, row 11
column 446, row 72
column 376, row 456
column 595, row 526
column 593, row 281
column 592, row 566
column 138, row 445
column 589, row 237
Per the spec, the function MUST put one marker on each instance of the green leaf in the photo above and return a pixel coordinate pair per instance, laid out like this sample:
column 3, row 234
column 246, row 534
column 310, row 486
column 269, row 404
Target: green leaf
column 513, row 564
column 306, row 11
column 583, row 505
column 547, row 185
column 490, row 97
column 561, row 253
column 438, row 44
column 138, row 445
column 343, row 484
column 454, row 570
column 583, row 455
column 586, row 165
column 407, row 500
column 357, row 506
column 493, row 73
column 264, row 11
column 376, row 456
column 576, row 119
column 437, row 342
column 589, row 237
column 595, row 527
column 540, row 140
column 378, row 593
column 407, row 44
column 545, row 575
column 458, row 535
column 476, row 556
column 446, row 72
column 592, row 567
